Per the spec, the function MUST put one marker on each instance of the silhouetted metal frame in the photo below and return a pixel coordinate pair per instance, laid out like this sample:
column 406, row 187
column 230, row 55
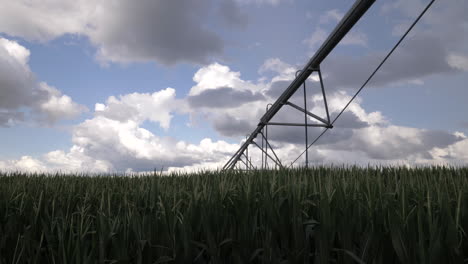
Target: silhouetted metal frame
column 370, row 76
column 343, row 27
column 249, row 162
column 271, row 148
column 266, row 153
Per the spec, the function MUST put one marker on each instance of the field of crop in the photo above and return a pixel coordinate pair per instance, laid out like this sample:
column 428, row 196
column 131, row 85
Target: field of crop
column 320, row 215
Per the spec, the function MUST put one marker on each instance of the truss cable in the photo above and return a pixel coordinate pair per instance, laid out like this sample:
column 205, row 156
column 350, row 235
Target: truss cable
column 368, row 79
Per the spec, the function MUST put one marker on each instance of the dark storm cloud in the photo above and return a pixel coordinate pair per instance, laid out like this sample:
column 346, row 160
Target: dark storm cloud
column 296, row 135
column 230, row 126
column 423, row 53
column 349, row 120
column 278, row 87
column 19, row 88
column 125, row 31
column 9, row 117
column 164, row 31
column 16, row 82
column 232, row 15
column 438, row 138
column 421, row 56
column 342, row 130
column 225, row 97
column 392, row 144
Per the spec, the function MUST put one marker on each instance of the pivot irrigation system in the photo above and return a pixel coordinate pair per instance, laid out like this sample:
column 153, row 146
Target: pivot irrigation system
column 344, row 26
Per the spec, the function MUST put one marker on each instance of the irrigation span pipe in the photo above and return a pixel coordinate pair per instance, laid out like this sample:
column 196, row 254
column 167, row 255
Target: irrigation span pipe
column 346, row 23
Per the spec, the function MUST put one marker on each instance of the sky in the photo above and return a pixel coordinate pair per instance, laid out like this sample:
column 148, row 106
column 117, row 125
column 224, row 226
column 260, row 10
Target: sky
column 134, row 86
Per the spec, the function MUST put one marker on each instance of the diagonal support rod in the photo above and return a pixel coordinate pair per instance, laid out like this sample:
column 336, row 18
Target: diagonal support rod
column 230, row 161
column 268, row 144
column 243, row 162
column 324, row 97
column 327, row 123
column 249, row 162
column 306, row 129
column 268, row 155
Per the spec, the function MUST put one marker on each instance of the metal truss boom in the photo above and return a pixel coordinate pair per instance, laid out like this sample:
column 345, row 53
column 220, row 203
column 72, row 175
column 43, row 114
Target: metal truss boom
column 343, row 27
column 367, row 80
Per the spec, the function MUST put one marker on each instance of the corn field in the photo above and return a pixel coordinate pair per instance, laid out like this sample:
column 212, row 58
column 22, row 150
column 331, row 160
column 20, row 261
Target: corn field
column 318, row 215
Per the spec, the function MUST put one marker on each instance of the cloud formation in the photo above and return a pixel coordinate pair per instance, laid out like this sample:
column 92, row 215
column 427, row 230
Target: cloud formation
column 167, row 32
column 138, row 107
column 437, row 45
column 115, row 139
column 358, row 136
column 331, row 18
column 164, row 31
column 261, row 2
column 232, row 15
column 22, row 96
column 224, row 97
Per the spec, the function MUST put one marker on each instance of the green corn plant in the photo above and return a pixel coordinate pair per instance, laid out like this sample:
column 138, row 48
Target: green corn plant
column 316, row 215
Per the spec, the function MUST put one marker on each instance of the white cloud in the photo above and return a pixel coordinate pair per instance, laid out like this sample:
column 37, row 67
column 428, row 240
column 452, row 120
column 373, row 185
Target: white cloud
column 75, row 161
column 355, row 38
column 359, row 136
column 108, row 145
column 22, row 94
column 114, row 139
column 458, row 61
column 284, row 71
column 453, row 154
column 316, row 39
column 99, row 107
column 111, row 141
column 338, row 100
column 58, row 106
column 122, row 138
column 44, row 20
column 333, row 15
column 369, row 134
column 16, row 51
column 155, row 107
column 238, row 117
column 275, row 65
column 25, row 163
column 216, row 76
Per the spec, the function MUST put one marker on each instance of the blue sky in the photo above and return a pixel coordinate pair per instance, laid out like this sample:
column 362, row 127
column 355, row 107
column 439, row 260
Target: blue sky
column 124, row 86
